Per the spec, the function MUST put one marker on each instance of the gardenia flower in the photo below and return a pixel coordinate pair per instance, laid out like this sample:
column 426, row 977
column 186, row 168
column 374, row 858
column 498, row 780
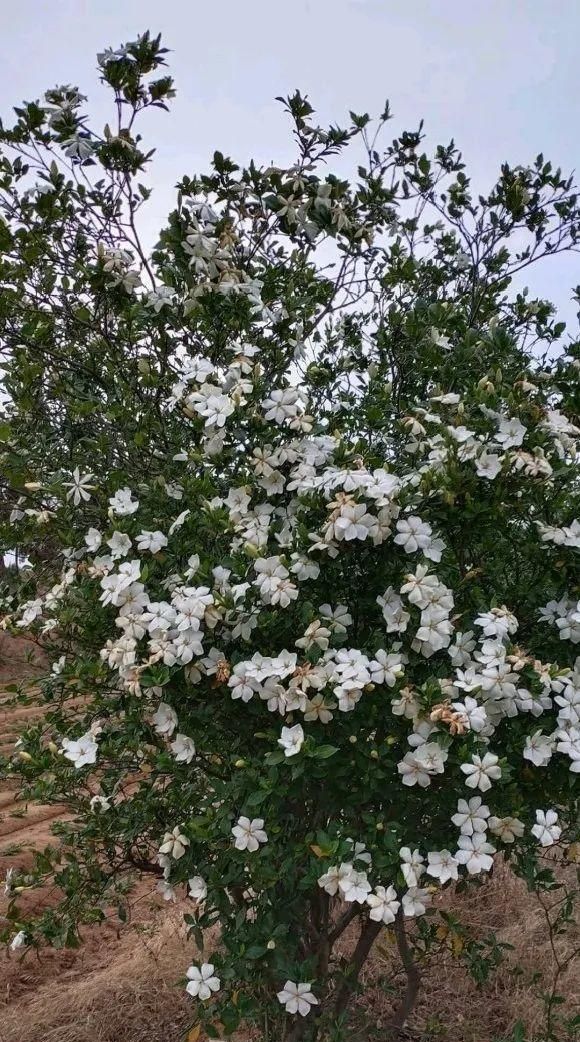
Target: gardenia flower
column 442, row 865
column 539, row 748
column 292, row 739
column 174, row 844
column 417, row 767
column 332, row 880
column 412, row 866
column 337, row 618
column 100, row 802
column 481, row 771
column 81, row 751
column 202, row 981
column 511, row 432
column 80, row 487
column 122, row 503
column 416, row 901
column 355, row 886
column 18, row 941
column 249, row 834
column 166, row 890
column 506, row 829
column 475, row 853
column 165, row 720
column 383, row 905
column 119, row 544
column 413, row 534
column 474, row 715
column 197, row 888
column 93, row 539
column 297, row 998
column 183, row 748
column 471, row 816
column 546, row 831
column 152, row 541
column 488, row 465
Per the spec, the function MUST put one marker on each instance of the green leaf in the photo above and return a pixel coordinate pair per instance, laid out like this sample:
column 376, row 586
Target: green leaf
column 274, row 757
column 323, row 752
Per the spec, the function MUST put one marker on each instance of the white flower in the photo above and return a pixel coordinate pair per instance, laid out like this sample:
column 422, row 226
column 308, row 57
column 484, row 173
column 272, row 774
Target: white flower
column 417, row 767
column 58, row 666
column 355, row 886
column 474, row 715
column 416, row 901
column 297, row 998
column 412, row 866
column 119, row 544
column 383, row 905
column 442, row 865
column 166, row 890
column 471, row 816
column 481, row 771
column 413, row 534
column 18, row 941
column 292, row 739
column 202, row 981
column 179, row 521
column 475, row 853
column 100, row 802
column 539, row 748
column 183, row 748
column 122, row 502
column 332, row 879
column 93, row 539
column 165, row 720
column 81, row 752
column 174, row 843
column 546, row 831
column 511, row 432
column 249, row 834
column 337, row 618
column 197, row 888
column 498, row 622
column 79, row 488
column 159, row 297
column 488, row 465
column 152, row 541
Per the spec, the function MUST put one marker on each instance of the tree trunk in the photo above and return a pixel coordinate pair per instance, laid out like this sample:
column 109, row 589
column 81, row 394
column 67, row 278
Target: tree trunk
column 368, row 935
column 411, row 993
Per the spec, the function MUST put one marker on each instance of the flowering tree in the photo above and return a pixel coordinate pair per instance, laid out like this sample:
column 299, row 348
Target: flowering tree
column 301, row 491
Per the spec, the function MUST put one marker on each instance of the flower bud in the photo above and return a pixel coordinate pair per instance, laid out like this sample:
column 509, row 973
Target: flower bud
column 271, row 945
column 353, row 739
column 374, row 754
column 240, row 763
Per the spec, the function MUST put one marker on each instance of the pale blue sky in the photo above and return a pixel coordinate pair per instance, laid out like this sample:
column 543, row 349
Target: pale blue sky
column 501, row 76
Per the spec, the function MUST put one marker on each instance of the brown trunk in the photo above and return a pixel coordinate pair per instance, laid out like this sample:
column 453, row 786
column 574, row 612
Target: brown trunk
column 410, row 995
column 368, row 936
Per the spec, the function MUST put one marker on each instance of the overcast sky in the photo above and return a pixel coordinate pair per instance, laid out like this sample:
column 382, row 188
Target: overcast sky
column 500, row 76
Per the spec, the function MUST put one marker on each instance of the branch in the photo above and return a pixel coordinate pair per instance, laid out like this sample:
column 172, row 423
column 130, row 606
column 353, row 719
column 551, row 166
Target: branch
column 368, row 936
column 413, row 985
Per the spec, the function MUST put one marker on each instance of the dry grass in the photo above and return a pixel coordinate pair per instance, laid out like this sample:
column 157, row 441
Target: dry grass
column 452, row 1007
column 127, row 989
column 120, row 991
